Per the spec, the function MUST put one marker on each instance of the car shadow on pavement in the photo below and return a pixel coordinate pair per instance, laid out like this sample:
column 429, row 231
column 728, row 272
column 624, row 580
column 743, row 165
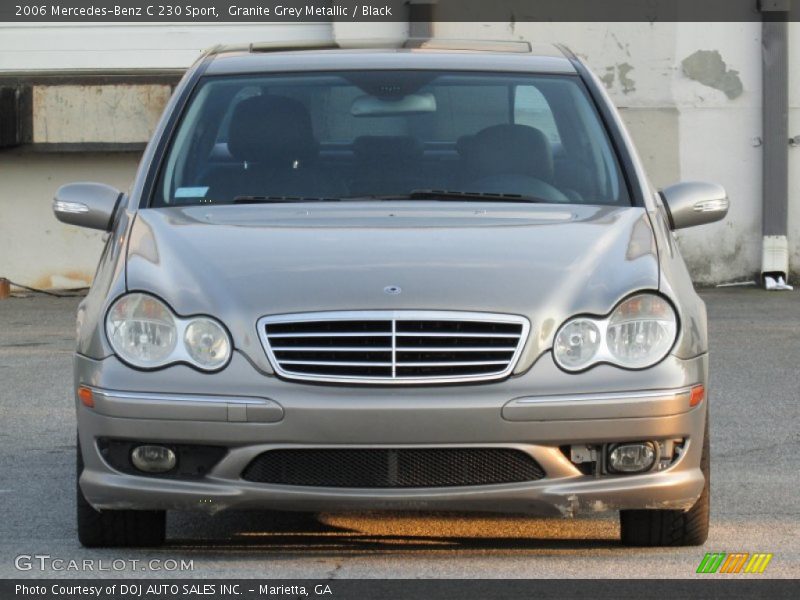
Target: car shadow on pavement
column 387, row 533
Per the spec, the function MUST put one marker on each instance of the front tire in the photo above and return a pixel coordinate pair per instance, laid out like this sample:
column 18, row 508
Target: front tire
column 672, row 527
column 116, row 528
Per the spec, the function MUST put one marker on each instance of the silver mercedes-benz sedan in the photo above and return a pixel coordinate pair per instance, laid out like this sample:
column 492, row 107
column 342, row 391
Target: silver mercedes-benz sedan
column 423, row 278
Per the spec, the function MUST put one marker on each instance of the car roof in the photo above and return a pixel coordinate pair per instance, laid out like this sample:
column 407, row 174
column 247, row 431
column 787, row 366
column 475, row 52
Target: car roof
column 457, row 55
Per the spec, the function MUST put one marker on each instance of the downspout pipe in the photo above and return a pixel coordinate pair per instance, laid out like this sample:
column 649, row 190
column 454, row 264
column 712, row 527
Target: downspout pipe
column 775, row 172
column 420, row 18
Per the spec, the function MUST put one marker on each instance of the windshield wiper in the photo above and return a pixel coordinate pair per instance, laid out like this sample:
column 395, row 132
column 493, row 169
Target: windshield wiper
column 462, row 196
column 442, row 195
column 281, row 199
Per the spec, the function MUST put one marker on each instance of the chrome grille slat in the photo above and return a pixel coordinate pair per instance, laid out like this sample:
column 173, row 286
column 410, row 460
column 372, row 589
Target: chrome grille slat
column 328, row 334
column 455, row 335
column 451, row 364
column 456, row 349
column 394, row 347
column 335, row 349
column 489, row 349
column 336, row 363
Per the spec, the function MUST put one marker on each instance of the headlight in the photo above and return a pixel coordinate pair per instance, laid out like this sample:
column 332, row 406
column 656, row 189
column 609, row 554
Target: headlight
column 638, row 333
column 207, row 343
column 142, row 330
column 577, row 343
column 145, row 333
column 641, row 331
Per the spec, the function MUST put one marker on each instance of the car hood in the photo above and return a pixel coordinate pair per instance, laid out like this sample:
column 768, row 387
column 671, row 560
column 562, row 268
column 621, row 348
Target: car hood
column 239, row 263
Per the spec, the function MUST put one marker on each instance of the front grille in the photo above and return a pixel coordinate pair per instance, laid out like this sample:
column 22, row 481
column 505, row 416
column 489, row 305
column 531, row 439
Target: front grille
column 393, row 468
column 393, row 346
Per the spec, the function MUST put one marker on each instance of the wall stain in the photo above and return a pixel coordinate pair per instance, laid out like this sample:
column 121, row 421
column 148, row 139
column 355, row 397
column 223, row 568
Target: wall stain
column 624, row 47
column 707, row 268
column 708, row 68
column 628, row 83
column 622, row 70
column 608, row 77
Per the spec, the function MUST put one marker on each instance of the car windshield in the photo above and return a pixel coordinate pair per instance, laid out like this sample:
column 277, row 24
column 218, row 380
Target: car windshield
column 390, row 135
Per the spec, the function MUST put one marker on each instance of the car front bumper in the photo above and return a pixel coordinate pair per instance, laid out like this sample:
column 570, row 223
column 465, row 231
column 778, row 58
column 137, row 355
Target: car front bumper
column 249, row 413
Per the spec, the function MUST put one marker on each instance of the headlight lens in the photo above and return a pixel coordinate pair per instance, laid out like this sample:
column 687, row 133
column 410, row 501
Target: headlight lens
column 638, row 333
column 577, row 343
column 641, row 331
column 141, row 330
column 145, row 333
column 207, row 343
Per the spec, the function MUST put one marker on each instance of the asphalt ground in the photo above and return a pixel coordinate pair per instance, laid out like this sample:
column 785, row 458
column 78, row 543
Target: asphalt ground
column 755, row 400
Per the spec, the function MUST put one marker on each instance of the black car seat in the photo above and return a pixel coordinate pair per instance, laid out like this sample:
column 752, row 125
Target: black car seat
column 272, row 142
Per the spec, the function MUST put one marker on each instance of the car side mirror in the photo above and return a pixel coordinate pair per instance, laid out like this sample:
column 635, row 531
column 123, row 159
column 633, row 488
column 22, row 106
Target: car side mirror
column 89, row 205
column 693, row 203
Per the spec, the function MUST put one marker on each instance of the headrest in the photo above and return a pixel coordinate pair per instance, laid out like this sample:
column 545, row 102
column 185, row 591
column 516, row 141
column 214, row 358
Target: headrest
column 273, row 130
column 508, row 150
column 378, row 147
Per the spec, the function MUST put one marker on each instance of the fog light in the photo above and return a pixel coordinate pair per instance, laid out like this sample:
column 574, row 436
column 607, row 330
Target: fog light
column 153, row 459
column 633, row 457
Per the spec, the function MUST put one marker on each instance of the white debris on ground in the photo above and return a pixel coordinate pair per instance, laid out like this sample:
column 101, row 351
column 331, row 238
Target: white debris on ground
column 771, row 283
column 736, row 284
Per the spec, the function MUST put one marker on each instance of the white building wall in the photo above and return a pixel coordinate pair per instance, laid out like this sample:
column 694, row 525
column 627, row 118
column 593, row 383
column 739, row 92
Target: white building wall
column 720, row 141
column 35, row 249
column 101, row 46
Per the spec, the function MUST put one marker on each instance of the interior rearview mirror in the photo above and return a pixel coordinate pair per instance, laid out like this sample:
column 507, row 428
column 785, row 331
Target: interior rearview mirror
column 412, row 104
column 693, row 203
column 86, row 204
